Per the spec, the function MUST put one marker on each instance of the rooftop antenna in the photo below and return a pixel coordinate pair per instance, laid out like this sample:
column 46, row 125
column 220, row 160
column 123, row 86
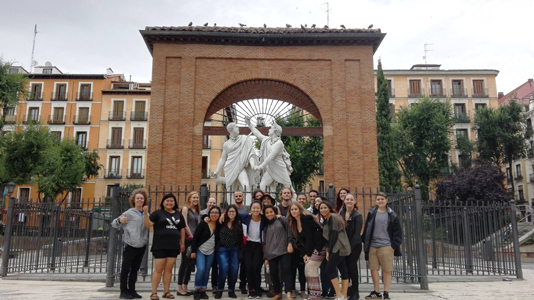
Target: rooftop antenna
column 33, row 48
column 426, row 51
column 327, row 13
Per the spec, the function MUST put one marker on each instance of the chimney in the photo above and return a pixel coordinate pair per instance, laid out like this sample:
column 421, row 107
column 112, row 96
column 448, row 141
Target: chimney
column 501, row 94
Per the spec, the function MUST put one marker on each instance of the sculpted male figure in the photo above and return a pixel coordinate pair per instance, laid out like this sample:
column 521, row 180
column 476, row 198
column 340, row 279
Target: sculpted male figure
column 274, row 160
column 237, row 159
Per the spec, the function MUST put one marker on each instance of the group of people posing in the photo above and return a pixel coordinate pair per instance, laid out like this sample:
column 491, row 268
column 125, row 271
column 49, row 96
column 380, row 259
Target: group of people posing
column 316, row 239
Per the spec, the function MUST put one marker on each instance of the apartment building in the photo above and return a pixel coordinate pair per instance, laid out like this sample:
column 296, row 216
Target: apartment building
column 466, row 89
column 522, row 170
column 123, row 135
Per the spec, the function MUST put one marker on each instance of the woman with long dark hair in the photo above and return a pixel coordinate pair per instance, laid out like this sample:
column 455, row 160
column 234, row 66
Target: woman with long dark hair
column 191, row 213
column 307, row 239
column 230, row 246
column 277, row 252
column 340, row 198
column 337, row 248
column 168, row 241
column 354, row 220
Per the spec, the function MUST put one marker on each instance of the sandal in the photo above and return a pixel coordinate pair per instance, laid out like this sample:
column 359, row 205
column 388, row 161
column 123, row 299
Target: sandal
column 168, row 295
column 186, row 293
column 154, row 296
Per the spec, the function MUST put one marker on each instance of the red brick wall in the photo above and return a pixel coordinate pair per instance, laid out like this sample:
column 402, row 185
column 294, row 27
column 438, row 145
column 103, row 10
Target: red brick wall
column 186, row 79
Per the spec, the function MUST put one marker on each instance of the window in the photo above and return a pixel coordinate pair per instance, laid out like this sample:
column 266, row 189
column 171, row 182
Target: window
column 24, row 194
column 81, row 139
column 321, row 187
column 508, row 174
column 118, row 111
column 458, row 88
column 83, row 115
column 33, row 114
column 85, row 92
column 137, row 167
column 205, row 172
column 518, row 173
column 390, row 89
column 415, row 88
column 520, row 193
column 35, row 91
column 139, row 113
column 478, row 89
column 459, row 133
column 436, row 88
column 47, row 71
column 138, row 141
column 58, row 116
column 61, row 92
column 479, row 106
column 76, row 199
column 463, row 161
column 205, row 142
column 9, row 114
column 56, row 135
column 114, row 167
column 116, row 138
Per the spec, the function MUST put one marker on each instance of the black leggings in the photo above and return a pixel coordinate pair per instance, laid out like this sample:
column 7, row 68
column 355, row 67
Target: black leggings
column 334, row 263
column 285, row 263
column 297, row 263
column 352, row 263
column 254, row 261
column 184, row 272
column 131, row 262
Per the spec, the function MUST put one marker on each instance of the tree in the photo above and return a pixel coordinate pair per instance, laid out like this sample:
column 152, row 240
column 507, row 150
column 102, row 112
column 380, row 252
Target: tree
column 388, row 168
column 501, row 134
column 466, row 148
column 12, row 89
column 423, row 134
column 484, row 181
column 306, row 153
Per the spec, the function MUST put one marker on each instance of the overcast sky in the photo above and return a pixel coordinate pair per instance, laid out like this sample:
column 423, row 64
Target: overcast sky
column 90, row 36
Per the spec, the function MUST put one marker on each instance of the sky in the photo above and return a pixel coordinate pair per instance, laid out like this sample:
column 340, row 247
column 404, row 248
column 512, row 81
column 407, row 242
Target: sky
column 85, row 36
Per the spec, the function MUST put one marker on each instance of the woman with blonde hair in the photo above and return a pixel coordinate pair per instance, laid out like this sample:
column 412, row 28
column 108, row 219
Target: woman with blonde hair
column 135, row 239
column 191, row 213
column 307, row 245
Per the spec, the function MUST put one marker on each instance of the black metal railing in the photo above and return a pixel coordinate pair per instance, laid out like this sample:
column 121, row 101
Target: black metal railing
column 391, row 92
column 117, row 116
column 59, row 96
column 32, row 119
column 462, row 117
column 56, row 119
column 112, row 173
column 437, row 92
column 135, row 174
column 139, row 116
column 84, row 96
column 115, row 144
column 479, row 93
column 136, row 144
column 416, row 93
column 34, row 96
column 458, row 93
column 10, row 119
column 81, row 120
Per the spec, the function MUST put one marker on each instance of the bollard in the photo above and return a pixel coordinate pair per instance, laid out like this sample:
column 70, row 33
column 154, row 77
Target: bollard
column 421, row 249
column 331, row 194
column 112, row 245
column 204, row 194
column 517, row 254
column 8, row 232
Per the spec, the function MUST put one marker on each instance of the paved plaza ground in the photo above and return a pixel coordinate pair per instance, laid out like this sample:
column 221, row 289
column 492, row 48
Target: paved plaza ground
column 18, row 287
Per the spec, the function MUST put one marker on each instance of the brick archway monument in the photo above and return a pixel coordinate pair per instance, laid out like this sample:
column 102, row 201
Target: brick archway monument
column 199, row 71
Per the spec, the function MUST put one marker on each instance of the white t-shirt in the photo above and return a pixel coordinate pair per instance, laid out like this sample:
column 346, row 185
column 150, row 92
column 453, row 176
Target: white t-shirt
column 254, row 231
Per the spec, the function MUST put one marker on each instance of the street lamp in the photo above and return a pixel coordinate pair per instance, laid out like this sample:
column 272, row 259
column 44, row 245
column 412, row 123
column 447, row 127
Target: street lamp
column 10, row 187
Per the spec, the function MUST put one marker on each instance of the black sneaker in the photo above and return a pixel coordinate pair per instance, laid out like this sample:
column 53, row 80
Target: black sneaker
column 374, row 295
column 323, row 294
column 196, row 295
column 126, row 295
column 214, row 290
column 135, row 295
column 331, row 295
column 386, row 295
column 203, row 295
column 218, row 295
column 244, row 291
column 232, row 294
column 251, row 295
column 257, row 295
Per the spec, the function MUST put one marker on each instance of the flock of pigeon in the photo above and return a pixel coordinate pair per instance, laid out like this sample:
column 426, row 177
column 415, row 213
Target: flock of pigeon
column 287, row 25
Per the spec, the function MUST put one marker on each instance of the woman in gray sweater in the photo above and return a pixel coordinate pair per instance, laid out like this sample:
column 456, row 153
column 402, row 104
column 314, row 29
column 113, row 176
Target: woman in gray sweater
column 276, row 252
column 135, row 238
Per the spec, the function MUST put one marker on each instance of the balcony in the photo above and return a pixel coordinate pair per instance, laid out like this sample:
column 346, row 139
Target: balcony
column 10, row 119
column 31, row 119
column 392, row 93
column 117, row 116
column 139, row 116
column 135, row 144
column 33, row 96
column 81, row 120
column 416, row 93
column 518, row 177
column 462, row 117
column 59, row 96
column 437, row 93
column 458, row 93
column 56, row 119
column 84, row 96
column 135, row 174
column 115, row 144
column 112, row 174
column 479, row 93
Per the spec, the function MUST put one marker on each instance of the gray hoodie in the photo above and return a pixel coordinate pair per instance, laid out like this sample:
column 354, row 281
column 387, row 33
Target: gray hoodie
column 276, row 238
column 135, row 232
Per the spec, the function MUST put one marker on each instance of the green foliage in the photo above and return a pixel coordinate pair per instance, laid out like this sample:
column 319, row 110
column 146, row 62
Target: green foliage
column 12, row 89
column 423, row 136
column 500, row 133
column 466, row 148
column 92, row 167
column 306, row 153
column 388, row 169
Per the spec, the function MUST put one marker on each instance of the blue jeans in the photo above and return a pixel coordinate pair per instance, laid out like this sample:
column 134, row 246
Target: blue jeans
column 204, row 263
column 228, row 267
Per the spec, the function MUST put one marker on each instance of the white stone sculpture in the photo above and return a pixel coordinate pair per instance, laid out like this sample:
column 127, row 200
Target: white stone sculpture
column 274, row 159
column 237, row 160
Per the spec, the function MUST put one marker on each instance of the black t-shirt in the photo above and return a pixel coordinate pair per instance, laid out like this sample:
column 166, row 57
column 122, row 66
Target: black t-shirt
column 167, row 228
